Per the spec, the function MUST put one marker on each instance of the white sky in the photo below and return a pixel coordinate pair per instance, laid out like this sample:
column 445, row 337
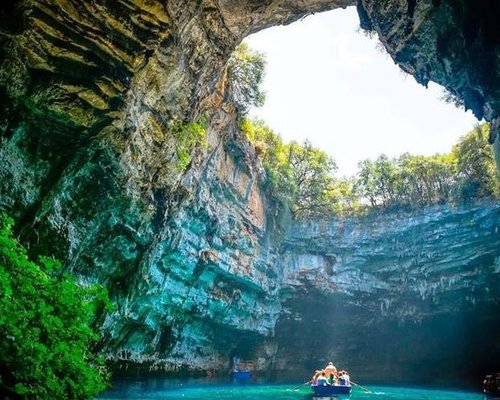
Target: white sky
column 329, row 83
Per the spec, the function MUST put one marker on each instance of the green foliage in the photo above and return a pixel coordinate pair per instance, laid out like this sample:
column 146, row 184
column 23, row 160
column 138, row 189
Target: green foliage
column 45, row 333
column 303, row 176
column 312, row 175
column 465, row 174
column 346, row 197
column 408, row 180
column 274, row 155
column 189, row 135
column 298, row 174
column 476, row 165
column 246, row 70
column 452, row 98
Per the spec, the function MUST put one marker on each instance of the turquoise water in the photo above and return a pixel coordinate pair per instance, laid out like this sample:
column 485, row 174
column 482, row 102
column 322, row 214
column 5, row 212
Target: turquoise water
column 167, row 389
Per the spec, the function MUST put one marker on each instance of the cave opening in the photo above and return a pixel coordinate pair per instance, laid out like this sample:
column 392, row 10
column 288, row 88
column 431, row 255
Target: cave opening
column 330, row 82
column 339, row 89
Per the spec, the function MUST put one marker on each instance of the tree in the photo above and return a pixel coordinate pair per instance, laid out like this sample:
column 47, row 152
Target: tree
column 367, row 182
column 426, row 180
column 344, row 196
column 274, row 155
column 45, row 333
column 386, row 176
column 312, row 175
column 304, row 176
column 298, row 174
column 246, row 70
column 476, row 165
column 451, row 97
column 408, row 180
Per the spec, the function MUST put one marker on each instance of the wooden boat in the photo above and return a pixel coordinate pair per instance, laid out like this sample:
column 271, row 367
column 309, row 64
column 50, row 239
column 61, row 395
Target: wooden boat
column 330, row 390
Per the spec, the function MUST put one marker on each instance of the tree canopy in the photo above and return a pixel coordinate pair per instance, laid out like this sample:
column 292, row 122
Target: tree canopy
column 45, row 334
column 299, row 174
column 477, row 175
column 246, row 69
column 467, row 173
column 305, row 176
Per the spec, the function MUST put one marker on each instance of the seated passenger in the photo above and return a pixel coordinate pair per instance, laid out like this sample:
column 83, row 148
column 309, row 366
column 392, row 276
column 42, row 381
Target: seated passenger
column 314, row 380
column 322, row 381
column 342, row 380
column 330, row 370
column 332, row 380
column 346, row 378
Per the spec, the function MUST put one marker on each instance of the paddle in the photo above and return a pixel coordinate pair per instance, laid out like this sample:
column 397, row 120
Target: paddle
column 361, row 387
column 296, row 387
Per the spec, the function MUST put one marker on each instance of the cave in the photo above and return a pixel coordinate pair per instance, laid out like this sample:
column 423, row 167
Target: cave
column 93, row 97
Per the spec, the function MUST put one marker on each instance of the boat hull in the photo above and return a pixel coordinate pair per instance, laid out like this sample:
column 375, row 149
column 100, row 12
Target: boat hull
column 241, row 376
column 327, row 390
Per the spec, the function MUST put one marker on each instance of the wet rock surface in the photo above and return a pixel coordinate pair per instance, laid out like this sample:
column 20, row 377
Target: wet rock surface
column 402, row 295
column 193, row 255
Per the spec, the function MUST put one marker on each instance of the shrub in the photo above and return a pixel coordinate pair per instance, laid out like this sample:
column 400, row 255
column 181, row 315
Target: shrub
column 45, row 333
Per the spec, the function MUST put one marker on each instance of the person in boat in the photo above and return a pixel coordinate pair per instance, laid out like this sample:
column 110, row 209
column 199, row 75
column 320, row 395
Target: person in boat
column 491, row 384
column 236, row 364
column 314, row 380
column 322, row 380
column 330, row 370
column 332, row 380
column 344, row 378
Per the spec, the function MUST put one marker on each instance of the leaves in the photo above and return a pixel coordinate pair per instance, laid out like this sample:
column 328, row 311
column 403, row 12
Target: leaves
column 298, row 174
column 246, row 69
column 465, row 174
column 304, row 177
column 312, row 174
column 189, row 135
column 476, row 165
column 45, row 333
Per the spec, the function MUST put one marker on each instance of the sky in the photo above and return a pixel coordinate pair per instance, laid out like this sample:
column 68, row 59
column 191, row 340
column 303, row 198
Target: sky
column 328, row 82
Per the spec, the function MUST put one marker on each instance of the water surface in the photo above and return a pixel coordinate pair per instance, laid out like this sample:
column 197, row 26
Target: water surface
column 185, row 390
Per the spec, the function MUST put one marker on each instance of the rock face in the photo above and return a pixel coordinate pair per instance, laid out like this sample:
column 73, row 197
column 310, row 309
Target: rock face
column 209, row 286
column 399, row 296
column 96, row 100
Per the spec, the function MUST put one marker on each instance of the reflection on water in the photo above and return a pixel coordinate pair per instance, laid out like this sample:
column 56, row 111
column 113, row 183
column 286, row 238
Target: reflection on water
column 208, row 389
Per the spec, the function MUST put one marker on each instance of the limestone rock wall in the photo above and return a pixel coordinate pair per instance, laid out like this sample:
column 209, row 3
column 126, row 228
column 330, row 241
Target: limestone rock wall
column 414, row 257
column 208, row 283
column 384, row 294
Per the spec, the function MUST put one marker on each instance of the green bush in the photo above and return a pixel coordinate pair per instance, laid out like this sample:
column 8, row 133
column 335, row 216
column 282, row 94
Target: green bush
column 189, row 135
column 45, row 333
column 297, row 173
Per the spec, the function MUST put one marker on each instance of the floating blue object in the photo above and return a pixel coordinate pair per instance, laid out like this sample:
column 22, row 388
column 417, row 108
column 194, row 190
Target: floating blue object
column 242, row 376
column 330, row 390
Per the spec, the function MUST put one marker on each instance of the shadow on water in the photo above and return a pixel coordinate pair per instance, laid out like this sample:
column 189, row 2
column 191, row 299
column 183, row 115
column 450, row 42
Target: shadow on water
column 220, row 389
